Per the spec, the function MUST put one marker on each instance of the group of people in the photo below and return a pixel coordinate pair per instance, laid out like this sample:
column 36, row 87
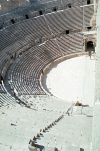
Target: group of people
column 91, row 52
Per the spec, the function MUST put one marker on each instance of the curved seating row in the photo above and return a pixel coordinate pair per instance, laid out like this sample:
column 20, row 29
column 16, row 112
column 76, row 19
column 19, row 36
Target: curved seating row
column 65, row 20
column 33, row 10
column 88, row 13
column 25, row 80
column 19, row 35
column 70, row 43
column 68, row 19
column 24, row 76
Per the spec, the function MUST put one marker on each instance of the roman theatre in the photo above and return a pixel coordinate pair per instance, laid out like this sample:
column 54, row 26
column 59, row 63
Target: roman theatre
column 50, row 75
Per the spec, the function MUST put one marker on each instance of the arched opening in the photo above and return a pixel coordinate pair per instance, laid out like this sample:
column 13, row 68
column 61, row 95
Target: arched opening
column 54, row 9
column 67, row 32
column 69, row 5
column 12, row 20
column 27, row 17
column 89, row 27
column 40, row 12
column 90, row 47
column 88, row 2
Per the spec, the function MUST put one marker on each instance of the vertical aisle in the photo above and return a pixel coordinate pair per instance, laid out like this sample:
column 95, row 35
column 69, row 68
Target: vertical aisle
column 96, row 110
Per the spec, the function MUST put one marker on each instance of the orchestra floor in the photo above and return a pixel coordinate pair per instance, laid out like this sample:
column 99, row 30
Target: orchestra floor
column 72, row 80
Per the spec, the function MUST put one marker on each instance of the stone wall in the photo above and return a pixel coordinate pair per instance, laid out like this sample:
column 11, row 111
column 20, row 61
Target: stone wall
column 10, row 5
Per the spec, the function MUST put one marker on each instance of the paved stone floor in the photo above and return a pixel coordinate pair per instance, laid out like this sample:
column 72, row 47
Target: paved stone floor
column 73, row 80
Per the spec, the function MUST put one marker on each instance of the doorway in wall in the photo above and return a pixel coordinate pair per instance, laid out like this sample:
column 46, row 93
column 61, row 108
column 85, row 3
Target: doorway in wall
column 90, row 48
column 40, row 12
column 27, row 17
column 88, row 2
column 69, row 5
column 12, row 20
column 54, row 9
